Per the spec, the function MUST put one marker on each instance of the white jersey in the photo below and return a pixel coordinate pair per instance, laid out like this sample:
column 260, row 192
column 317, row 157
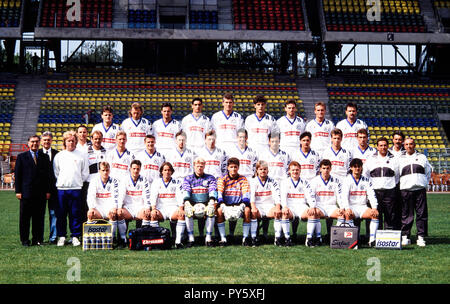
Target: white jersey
column 327, row 193
column 267, row 193
column 258, row 131
column 309, row 163
column 350, row 132
column 290, row 131
column 151, row 164
column 182, row 162
column 247, row 160
column 278, row 164
column 165, row 134
column 357, row 152
column 83, row 148
column 226, row 128
column 119, row 163
column 382, row 171
column 296, row 192
column 216, row 161
column 340, row 161
column 195, row 129
column 321, row 134
column 136, row 132
column 109, row 134
column 415, row 171
column 396, row 153
column 358, row 193
column 95, row 157
column 136, row 193
column 166, row 195
column 105, row 196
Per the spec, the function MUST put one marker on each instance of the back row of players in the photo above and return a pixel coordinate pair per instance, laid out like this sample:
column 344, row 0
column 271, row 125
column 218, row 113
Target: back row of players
column 277, row 162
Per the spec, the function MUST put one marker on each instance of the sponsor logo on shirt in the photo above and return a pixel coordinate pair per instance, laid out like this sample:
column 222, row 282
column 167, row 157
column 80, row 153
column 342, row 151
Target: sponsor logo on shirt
column 196, row 128
column 120, row 166
column 212, row 163
column 296, row 195
column 134, row 193
column 358, row 193
column 325, row 193
column 103, row 195
column 181, row 165
column 259, row 130
column 337, row 163
column 151, row 167
column 263, row 193
column 322, row 134
column 227, row 127
column 292, row 133
column 347, row 135
column 166, row 195
column 165, row 134
column 137, row 134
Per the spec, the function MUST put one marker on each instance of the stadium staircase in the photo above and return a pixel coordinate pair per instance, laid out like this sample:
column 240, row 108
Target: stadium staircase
column 225, row 14
column 120, row 18
column 311, row 91
column 429, row 17
column 29, row 91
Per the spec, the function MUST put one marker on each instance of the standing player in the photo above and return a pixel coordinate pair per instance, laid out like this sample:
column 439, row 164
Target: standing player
column 320, row 128
column 382, row 169
column 340, row 158
column 226, row 123
column 415, row 172
column 260, row 125
column 136, row 128
column 120, row 158
column 200, row 188
column 195, row 125
column 167, row 202
column 107, row 128
column 216, row 159
column 233, row 191
column 265, row 200
column 357, row 191
column 277, row 159
column 308, row 159
column 181, row 158
column 247, row 157
column 151, row 159
column 96, row 154
column 104, row 198
column 165, row 129
column 290, row 126
column 82, row 139
column 397, row 143
column 297, row 200
column 328, row 194
column 350, row 127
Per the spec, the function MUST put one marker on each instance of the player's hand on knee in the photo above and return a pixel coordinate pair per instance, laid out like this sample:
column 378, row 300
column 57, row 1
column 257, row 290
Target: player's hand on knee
column 375, row 213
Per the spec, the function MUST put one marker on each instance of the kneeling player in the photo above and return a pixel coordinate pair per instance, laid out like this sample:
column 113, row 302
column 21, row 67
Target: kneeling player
column 357, row 191
column 136, row 203
column 167, row 202
column 103, row 197
column 327, row 192
column 296, row 200
column 233, row 193
column 265, row 200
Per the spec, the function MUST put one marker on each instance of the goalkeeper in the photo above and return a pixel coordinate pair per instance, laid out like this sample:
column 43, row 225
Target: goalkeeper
column 200, row 200
column 233, row 193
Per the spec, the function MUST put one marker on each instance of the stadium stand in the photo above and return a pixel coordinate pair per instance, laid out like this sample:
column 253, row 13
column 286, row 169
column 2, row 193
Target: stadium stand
column 7, row 101
column 203, row 20
column 141, row 18
column 10, row 13
column 351, row 15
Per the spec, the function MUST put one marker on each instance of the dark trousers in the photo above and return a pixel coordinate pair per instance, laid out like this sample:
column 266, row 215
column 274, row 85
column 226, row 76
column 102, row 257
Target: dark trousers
column 32, row 210
column 69, row 202
column 388, row 208
column 52, row 206
column 84, row 205
column 414, row 201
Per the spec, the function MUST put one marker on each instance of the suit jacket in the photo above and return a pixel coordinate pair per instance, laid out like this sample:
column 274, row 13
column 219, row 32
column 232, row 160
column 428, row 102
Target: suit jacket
column 52, row 173
column 32, row 180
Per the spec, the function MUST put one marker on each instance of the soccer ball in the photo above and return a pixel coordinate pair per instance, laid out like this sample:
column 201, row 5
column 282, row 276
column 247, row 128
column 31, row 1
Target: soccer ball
column 199, row 210
column 234, row 213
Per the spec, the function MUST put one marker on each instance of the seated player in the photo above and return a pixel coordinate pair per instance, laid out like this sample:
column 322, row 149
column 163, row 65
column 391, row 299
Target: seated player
column 357, row 191
column 297, row 200
column 167, row 202
column 233, row 192
column 199, row 189
column 265, row 200
column 104, row 196
column 327, row 191
column 136, row 202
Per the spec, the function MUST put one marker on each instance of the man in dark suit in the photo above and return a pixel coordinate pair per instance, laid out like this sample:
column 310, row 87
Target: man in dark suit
column 46, row 143
column 32, row 172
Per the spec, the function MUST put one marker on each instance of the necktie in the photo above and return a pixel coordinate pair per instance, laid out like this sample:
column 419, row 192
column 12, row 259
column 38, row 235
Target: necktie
column 34, row 157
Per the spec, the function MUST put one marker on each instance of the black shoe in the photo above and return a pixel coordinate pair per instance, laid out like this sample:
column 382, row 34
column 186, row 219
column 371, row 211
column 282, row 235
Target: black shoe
column 52, row 242
column 372, row 244
column 263, row 239
column 122, row 243
column 278, row 242
column 189, row 244
column 254, row 242
column 246, row 242
column 317, row 241
column 223, row 243
column 293, row 238
column 288, row 242
column 179, row 246
column 36, row 243
column 26, row 244
column 309, row 242
column 210, row 244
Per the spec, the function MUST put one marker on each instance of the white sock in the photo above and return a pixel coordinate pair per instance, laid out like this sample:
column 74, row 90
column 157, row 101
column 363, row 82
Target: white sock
column 221, row 227
column 122, row 229
column 146, row 223
column 245, row 230
column 209, row 227
column 350, row 222
column 318, row 229
column 154, row 224
column 340, row 221
column 373, row 229
column 181, row 226
column 285, row 226
column 190, row 228
column 113, row 228
column 310, row 225
column 277, row 228
column 253, row 227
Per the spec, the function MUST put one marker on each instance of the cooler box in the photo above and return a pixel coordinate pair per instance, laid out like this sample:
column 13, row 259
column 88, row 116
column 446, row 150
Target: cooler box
column 97, row 235
column 388, row 239
column 344, row 237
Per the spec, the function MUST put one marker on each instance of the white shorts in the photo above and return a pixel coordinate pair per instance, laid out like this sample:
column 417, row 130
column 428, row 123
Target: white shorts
column 327, row 210
column 134, row 209
column 358, row 211
column 264, row 209
column 104, row 210
column 298, row 209
column 167, row 211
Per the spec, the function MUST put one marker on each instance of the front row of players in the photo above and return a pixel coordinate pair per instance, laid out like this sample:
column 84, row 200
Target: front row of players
column 232, row 197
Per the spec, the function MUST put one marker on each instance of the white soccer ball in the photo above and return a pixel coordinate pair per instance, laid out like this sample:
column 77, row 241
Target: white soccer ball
column 199, row 210
column 235, row 213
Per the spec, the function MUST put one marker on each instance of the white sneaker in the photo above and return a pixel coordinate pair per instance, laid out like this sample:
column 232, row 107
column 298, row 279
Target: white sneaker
column 75, row 241
column 405, row 241
column 420, row 241
column 61, row 241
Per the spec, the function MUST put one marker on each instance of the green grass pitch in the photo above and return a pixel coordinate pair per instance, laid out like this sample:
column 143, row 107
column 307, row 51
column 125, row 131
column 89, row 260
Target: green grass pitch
column 266, row 264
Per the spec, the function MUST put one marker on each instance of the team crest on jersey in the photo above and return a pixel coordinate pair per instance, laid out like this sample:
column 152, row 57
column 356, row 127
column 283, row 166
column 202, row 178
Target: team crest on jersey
column 205, row 183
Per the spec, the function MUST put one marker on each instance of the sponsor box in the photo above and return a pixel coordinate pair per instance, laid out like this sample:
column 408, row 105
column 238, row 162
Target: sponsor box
column 388, row 239
column 97, row 235
column 344, row 237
